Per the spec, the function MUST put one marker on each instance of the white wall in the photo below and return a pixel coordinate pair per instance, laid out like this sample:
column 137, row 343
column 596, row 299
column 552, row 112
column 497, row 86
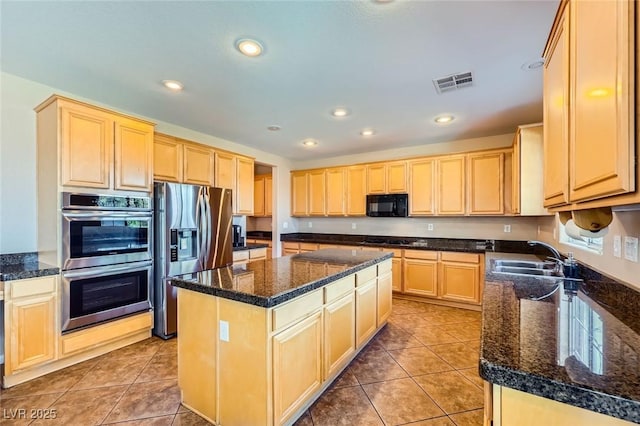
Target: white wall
column 522, row 228
column 18, row 97
column 624, row 224
column 461, row 145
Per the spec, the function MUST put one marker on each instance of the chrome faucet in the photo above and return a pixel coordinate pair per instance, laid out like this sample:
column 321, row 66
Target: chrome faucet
column 568, row 267
column 556, row 253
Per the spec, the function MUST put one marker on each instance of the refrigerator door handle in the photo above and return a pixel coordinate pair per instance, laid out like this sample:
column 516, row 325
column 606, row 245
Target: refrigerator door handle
column 201, row 223
column 206, row 245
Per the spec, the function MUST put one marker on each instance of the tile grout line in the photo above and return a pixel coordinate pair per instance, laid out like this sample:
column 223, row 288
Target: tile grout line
column 62, row 394
column 127, row 390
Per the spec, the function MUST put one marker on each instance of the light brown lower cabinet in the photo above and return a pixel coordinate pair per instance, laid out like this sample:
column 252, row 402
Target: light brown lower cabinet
column 456, row 277
column 366, row 313
column 279, row 359
column 421, row 276
column 32, row 323
column 449, row 276
column 297, row 366
column 339, row 337
column 384, row 289
column 459, row 275
column 34, row 345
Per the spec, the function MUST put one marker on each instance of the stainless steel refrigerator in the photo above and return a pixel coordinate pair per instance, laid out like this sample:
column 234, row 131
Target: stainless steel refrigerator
column 192, row 233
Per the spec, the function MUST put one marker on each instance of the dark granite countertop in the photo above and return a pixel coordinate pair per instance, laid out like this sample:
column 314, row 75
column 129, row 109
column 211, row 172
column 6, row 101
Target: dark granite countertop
column 573, row 342
column 266, row 235
column 20, row 266
column 278, row 280
column 440, row 244
column 250, row 246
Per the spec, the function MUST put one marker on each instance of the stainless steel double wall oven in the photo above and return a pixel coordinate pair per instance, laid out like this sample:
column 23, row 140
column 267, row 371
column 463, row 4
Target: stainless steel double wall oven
column 107, row 267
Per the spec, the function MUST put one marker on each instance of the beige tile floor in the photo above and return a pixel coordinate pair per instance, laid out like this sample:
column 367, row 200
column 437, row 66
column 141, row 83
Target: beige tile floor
column 421, row 369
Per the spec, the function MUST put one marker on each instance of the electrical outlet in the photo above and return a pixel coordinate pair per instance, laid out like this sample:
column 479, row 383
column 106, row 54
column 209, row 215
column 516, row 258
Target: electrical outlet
column 224, row 331
column 538, row 230
column 310, row 224
column 430, row 227
column 631, row 248
column 285, row 225
column 617, row 246
column 353, row 225
column 507, row 228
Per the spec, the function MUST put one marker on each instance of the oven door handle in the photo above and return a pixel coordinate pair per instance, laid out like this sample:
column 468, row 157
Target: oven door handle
column 101, row 271
column 106, row 214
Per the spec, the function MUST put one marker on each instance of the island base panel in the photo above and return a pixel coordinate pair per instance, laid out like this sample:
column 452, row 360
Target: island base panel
column 516, row 408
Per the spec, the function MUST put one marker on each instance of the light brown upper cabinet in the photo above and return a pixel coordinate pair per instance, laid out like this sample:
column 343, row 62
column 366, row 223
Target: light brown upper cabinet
column 356, row 190
column 167, row 158
column 601, row 126
column 556, row 116
column 243, row 192
column 451, row 185
column 527, row 171
column 386, row 178
column 98, row 148
column 317, row 192
column 299, row 194
column 178, row 160
column 235, row 172
column 262, row 195
column 486, row 183
column 589, row 110
column 422, row 173
column 336, row 191
column 225, row 170
column 308, row 193
column 198, row 165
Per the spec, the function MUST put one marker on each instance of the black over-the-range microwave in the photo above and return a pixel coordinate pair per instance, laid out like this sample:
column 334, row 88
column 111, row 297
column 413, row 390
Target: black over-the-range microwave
column 387, row 205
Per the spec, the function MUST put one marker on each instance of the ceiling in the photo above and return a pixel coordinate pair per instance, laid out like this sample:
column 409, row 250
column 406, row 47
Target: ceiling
column 376, row 58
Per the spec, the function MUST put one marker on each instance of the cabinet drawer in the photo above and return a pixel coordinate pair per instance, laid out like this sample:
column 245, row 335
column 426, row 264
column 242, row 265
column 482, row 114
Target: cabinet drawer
column 336, row 289
column 287, row 245
column 460, row 257
column 397, row 253
column 257, row 253
column 384, row 267
column 33, row 286
column 241, row 255
column 94, row 336
column 366, row 275
column 308, row 246
column 421, row 254
column 299, row 308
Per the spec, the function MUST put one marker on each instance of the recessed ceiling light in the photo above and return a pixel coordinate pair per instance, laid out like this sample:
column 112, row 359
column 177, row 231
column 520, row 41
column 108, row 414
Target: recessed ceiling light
column 340, row 112
column 249, row 47
column 309, row 142
column 532, row 65
column 368, row 132
column 444, row 119
column 274, row 128
column 174, row 85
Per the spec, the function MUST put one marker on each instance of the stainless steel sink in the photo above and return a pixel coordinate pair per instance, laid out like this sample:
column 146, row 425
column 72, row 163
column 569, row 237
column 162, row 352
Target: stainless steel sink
column 524, row 264
column 525, row 268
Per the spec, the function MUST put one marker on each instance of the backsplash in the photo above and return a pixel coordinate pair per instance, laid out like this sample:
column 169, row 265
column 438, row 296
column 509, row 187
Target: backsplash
column 259, row 223
column 624, row 224
column 522, row 228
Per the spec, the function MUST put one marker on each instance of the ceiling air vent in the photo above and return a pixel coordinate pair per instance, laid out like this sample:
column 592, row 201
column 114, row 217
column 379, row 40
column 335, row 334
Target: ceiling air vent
column 453, row 82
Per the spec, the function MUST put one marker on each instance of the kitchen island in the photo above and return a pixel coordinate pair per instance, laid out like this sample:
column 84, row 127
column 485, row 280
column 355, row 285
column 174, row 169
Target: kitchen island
column 558, row 351
column 259, row 342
